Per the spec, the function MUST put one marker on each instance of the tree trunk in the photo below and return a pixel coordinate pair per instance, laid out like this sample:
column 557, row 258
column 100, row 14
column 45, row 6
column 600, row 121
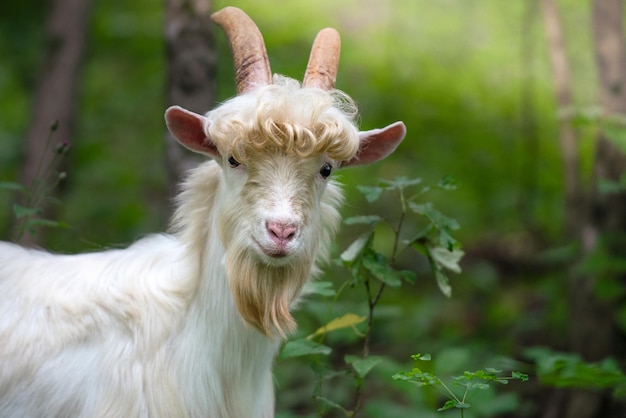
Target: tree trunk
column 590, row 217
column 55, row 95
column 608, row 214
column 528, row 118
column 574, row 211
column 592, row 332
column 191, row 62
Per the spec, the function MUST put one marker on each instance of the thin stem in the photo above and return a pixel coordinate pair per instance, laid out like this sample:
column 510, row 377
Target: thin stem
column 38, row 189
column 370, row 319
column 373, row 301
column 53, row 128
column 465, row 395
column 366, row 342
column 396, row 241
column 37, row 179
column 449, row 391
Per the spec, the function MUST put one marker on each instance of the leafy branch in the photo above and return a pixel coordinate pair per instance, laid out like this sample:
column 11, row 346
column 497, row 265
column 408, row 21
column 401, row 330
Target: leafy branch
column 375, row 271
column 470, row 382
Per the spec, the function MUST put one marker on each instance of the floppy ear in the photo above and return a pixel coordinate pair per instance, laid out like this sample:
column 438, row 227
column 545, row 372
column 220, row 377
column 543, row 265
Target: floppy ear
column 188, row 129
column 377, row 144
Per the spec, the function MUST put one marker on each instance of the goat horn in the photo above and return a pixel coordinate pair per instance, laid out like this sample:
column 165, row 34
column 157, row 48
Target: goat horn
column 321, row 70
column 252, row 67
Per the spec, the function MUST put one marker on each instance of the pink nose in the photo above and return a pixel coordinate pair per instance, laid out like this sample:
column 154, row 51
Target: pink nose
column 280, row 232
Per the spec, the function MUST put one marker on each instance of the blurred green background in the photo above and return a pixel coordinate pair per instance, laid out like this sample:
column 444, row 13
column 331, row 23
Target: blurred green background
column 471, row 80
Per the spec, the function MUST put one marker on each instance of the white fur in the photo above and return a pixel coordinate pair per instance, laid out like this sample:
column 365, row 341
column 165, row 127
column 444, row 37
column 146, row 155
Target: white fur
column 184, row 324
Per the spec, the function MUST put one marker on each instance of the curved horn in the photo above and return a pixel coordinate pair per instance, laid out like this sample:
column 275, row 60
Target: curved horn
column 324, row 60
column 252, row 67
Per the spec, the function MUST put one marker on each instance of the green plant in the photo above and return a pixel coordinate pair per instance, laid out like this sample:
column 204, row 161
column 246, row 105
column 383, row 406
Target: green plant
column 470, row 382
column 569, row 370
column 46, row 178
column 374, row 270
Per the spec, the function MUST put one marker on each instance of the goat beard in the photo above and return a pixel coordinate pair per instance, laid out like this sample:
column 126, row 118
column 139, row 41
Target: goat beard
column 263, row 293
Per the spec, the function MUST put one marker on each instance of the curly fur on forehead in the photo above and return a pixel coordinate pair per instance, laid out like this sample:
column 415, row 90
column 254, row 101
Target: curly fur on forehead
column 285, row 118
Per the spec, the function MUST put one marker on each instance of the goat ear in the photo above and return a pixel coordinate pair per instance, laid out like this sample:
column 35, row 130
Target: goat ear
column 188, row 128
column 377, row 144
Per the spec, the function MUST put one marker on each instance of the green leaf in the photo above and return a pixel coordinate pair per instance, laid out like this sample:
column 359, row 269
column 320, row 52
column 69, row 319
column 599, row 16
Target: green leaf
column 369, row 220
column 439, row 222
column 419, row 238
column 448, row 405
column 349, row 256
column 422, row 357
column 437, row 218
column 37, row 222
column 448, row 183
column 447, row 259
column 519, row 376
column 334, row 405
column 453, row 403
column 569, row 370
column 376, row 264
column 417, row 377
column 401, row 183
column 469, row 385
column 443, row 283
column 22, row 211
column 408, row 276
column 346, row 321
column 319, row 288
column 302, row 347
column 441, row 258
column 9, row 185
column 362, row 366
column 401, row 376
column 371, row 193
column 419, row 245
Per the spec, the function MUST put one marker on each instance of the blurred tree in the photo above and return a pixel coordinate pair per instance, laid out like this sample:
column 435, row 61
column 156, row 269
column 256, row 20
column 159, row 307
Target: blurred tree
column 56, row 91
column 592, row 321
column 529, row 119
column 191, row 63
column 567, row 136
column 593, row 218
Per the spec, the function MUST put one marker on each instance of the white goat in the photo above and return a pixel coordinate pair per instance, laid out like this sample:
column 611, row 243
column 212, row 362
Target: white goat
column 187, row 324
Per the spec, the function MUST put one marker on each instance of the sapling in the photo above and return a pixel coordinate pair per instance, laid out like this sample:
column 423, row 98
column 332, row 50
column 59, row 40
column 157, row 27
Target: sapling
column 471, row 383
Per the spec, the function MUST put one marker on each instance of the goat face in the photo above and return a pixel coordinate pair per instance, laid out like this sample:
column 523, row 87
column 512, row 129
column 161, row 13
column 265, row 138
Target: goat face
column 277, row 208
column 276, row 216
column 274, row 207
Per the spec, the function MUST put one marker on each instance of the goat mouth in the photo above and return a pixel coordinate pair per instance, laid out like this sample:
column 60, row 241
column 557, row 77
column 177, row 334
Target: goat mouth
column 274, row 253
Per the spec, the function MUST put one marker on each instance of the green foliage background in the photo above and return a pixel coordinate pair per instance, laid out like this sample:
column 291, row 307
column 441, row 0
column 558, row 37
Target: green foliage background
column 455, row 71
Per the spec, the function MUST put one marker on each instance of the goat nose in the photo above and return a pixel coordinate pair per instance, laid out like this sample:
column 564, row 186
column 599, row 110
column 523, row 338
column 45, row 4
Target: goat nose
column 281, row 232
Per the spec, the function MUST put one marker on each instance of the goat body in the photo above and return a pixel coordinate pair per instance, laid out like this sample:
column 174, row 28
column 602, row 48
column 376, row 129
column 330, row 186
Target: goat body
column 187, row 324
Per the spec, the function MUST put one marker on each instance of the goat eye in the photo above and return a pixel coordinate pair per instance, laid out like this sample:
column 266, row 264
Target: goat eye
column 233, row 163
column 326, row 170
